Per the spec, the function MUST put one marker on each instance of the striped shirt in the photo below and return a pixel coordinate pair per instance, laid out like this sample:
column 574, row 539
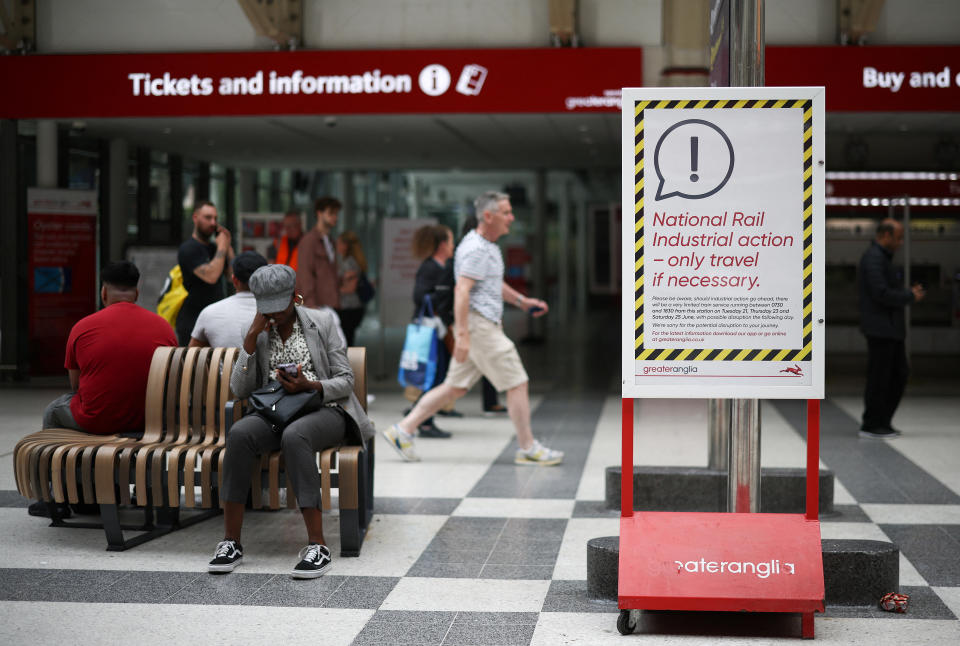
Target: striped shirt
column 479, row 259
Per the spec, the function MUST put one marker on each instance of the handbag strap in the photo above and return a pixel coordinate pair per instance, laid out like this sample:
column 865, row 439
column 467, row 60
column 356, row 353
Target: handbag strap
column 427, row 306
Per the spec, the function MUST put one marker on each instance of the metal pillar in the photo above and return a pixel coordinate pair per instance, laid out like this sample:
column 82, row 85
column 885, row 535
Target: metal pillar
column 13, row 262
column 718, row 427
column 907, row 281
column 743, row 485
column 746, row 70
column 563, row 282
column 47, row 154
column 119, row 170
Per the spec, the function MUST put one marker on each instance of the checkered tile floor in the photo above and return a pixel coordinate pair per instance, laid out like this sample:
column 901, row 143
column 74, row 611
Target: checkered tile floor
column 467, row 548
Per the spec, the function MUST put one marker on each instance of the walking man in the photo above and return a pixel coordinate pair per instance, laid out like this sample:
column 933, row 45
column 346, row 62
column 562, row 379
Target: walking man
column 882, row 302
column 481, row 348
column 203, row 265
column 317, row 277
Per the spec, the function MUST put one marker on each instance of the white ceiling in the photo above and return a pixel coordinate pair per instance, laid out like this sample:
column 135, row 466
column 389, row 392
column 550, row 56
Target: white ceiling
column 471, row 141
column 381, row 141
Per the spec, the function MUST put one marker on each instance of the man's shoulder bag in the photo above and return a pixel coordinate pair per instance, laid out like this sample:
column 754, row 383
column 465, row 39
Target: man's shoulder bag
column 278, row 407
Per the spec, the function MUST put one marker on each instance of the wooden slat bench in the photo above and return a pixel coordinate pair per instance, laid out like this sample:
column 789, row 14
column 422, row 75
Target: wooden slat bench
column 63, row 466
column 188, row 409
column 347, row 468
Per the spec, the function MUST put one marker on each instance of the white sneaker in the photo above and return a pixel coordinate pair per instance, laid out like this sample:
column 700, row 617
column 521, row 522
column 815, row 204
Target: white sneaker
column 401, row 442
column 538, row 455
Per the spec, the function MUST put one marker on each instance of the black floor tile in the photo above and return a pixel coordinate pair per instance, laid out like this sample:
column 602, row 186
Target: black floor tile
column 932, row 549
column 13, row 499
column 571, row 596
column 873, row 471
column 593, row 509
column 924, row 604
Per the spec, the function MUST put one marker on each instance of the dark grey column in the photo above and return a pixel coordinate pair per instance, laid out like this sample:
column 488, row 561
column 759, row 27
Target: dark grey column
column 13, row 260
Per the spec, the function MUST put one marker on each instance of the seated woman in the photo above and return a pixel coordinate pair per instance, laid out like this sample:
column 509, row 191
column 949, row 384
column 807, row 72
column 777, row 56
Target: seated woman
column 284, row 333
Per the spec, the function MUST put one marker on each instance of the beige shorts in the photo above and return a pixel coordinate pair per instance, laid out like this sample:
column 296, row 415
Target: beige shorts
column 492, row 355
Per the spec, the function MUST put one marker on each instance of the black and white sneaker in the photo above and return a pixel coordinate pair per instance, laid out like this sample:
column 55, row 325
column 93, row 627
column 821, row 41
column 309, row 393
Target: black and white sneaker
column 228, row 556
column 314, row 561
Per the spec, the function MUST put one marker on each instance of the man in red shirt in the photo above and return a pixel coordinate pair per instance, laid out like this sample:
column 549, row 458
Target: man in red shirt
column 108, row 358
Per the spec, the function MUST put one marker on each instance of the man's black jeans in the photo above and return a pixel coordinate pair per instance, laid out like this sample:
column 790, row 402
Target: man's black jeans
column 886, row 379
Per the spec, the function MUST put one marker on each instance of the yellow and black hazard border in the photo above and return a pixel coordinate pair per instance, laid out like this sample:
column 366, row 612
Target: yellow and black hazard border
column 733, row 354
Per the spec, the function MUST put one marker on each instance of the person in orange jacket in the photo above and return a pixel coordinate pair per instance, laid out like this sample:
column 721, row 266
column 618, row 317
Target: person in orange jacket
column 283, row 251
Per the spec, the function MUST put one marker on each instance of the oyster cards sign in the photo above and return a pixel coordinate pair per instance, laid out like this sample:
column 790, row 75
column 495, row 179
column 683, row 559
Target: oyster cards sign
column 725, row 248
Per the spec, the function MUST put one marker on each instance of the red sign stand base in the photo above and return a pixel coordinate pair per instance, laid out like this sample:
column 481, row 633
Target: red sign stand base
column 721, row 562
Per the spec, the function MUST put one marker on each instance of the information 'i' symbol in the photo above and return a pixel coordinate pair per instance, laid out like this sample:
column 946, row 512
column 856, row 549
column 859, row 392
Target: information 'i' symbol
column 694, row 144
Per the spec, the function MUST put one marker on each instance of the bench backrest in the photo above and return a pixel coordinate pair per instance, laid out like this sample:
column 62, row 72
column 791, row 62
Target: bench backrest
column 187, row 389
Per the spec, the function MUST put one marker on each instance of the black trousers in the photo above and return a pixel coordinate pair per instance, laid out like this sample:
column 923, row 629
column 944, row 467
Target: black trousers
column 350, row 320
column 300, row 442
column 886, row 379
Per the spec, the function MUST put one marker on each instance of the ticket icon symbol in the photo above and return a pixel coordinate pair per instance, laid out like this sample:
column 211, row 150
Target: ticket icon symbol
column 471, row 79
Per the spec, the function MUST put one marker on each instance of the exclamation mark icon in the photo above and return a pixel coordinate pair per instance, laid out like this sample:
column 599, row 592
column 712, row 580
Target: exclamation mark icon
column 694, row 145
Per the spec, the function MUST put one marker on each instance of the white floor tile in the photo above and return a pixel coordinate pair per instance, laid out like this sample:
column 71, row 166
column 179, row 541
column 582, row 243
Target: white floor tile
column 909, row 574
column 515, row 508
column 600, row 629
column 858, row 531
column 670, row 432
column 271, row 541
column 604, row 452
column 109, row 623
column 913, row 514
column 467, row 595
column 951, row 597
column 841, row 495
column 572, row 558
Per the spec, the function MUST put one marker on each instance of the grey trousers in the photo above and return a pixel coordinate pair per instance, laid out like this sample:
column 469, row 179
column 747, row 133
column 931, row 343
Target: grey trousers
column 252, row 437
column 58, row 415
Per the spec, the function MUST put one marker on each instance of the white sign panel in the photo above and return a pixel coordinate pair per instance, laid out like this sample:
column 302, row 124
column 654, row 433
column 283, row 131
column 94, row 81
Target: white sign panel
column 398, row 271
column 725, row 249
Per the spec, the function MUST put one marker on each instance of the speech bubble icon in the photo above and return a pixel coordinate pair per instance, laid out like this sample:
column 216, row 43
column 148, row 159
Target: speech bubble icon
column 693, row 159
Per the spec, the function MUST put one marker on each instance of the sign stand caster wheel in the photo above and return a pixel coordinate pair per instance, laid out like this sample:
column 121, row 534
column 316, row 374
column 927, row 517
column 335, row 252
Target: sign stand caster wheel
column 627, row 621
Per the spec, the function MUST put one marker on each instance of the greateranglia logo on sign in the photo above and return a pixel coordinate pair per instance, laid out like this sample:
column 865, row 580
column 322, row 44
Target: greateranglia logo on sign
column 762, row 570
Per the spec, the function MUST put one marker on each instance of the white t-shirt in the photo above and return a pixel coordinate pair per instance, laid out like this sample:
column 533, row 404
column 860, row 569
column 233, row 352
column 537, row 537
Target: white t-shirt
column 224, row 324
column 479, row 259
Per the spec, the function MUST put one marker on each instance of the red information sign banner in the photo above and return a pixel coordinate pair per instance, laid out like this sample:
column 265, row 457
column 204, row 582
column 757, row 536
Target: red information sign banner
column 62, row 270
column 319, row 82
column 872, row 79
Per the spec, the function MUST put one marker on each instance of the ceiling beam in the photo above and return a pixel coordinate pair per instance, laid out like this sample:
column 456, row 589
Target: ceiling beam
column 279, row 20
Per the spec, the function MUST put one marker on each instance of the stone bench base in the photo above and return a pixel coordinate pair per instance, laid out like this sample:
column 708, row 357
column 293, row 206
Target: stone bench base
column 855, row 572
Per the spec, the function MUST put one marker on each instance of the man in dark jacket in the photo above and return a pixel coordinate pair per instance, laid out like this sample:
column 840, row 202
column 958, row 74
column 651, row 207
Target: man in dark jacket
column 882, row 299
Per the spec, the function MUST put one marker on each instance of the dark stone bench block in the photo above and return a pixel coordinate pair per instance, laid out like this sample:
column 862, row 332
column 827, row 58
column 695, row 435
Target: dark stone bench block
column 855, row 572
column 703, row 489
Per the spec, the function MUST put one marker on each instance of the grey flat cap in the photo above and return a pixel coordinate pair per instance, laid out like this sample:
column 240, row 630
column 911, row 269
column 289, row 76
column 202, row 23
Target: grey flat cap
column 273, row 287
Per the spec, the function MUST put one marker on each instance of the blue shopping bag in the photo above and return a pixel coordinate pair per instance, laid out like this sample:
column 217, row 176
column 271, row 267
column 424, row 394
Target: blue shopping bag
column 418, row 361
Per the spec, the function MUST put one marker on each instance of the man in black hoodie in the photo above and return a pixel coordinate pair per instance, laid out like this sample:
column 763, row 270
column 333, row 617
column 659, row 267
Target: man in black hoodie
column 882, row 302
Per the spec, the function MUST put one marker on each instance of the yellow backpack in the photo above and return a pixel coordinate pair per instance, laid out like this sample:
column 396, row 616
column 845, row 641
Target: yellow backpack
column 172, row 296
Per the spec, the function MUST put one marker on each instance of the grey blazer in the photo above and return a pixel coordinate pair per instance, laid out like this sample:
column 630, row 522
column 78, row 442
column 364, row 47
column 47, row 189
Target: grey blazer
column 329, row 356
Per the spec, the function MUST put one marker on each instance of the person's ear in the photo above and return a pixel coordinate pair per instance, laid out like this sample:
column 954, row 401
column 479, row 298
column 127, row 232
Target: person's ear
column 103, row 295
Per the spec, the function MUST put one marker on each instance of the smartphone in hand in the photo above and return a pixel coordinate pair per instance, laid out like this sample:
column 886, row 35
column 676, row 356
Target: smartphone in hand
column 289, row 368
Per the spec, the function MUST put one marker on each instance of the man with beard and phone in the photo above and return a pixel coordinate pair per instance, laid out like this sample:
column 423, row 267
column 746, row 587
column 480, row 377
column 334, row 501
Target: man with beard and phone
column 204, row 264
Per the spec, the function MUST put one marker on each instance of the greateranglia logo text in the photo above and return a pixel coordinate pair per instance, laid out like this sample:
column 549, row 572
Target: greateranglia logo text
column 669, row 370
column 432, row 80
column 762, row 570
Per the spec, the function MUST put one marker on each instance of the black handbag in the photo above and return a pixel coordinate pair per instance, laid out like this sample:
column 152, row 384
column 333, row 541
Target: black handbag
column 278, row 407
